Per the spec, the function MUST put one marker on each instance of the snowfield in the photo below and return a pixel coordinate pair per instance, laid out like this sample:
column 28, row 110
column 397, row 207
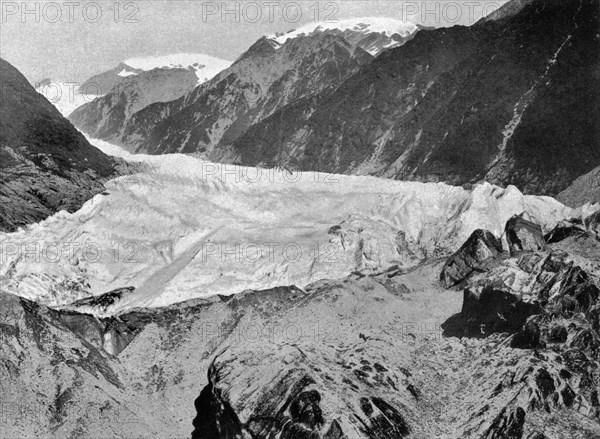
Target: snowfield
column 205, row 66
column 185, row 228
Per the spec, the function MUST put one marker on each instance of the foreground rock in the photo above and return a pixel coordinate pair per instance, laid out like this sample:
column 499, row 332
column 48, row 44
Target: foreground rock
column 361, row 357
column 545, row 302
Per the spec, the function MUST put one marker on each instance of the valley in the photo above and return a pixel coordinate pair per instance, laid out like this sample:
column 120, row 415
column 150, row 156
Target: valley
column 362, row 228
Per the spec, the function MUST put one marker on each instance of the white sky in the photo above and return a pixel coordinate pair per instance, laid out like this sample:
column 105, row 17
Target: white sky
column 70, row 41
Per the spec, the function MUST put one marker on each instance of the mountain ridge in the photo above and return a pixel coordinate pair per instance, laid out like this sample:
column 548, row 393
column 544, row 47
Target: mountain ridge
column 47, row 165
column 394, row 121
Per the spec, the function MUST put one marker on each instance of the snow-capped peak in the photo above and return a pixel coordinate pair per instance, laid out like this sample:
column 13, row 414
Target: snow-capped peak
column 364, row 25
column 205, row 66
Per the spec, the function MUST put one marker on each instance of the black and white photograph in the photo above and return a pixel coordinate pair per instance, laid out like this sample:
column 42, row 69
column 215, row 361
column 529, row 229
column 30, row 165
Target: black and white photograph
column 310, row 219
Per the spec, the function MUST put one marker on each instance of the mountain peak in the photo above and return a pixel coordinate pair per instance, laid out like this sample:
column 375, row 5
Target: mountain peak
column 358, row 31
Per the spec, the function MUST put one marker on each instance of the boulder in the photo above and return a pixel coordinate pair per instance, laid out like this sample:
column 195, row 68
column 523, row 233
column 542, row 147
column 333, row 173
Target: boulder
column 476, row 254
column 524, row 235
column 592, row 223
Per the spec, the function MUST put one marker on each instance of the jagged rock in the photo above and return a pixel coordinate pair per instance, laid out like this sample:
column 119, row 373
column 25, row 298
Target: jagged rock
column 565, row 229
column 476, row 254
column 508, row 425
column 524, row 235
column 361, row 387
column 587, row 341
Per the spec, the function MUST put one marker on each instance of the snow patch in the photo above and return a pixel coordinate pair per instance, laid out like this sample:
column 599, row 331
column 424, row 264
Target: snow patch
column 124, row 73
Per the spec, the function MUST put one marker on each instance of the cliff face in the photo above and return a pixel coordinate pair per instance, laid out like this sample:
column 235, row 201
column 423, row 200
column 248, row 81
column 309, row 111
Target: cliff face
column 46, row 164
column 512, row 101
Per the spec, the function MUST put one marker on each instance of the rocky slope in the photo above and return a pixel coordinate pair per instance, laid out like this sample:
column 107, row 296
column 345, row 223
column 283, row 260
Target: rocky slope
column 512, row 100
column 512, row 354
column 136, row 84
column 46, row 164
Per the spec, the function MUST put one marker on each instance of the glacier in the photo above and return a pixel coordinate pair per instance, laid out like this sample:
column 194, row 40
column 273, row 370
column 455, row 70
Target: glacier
column 182, row 228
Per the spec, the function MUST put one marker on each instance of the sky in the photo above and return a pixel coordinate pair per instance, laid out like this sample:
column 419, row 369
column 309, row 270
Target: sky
column 72, row 40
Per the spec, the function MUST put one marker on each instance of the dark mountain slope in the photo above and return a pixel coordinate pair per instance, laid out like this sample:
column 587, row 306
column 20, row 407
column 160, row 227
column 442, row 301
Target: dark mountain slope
column 513, row 101
column 361, row 107
column 46, row 165
column 265, row 78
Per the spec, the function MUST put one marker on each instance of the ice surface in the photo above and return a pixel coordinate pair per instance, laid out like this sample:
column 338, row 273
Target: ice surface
column 185, row 228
